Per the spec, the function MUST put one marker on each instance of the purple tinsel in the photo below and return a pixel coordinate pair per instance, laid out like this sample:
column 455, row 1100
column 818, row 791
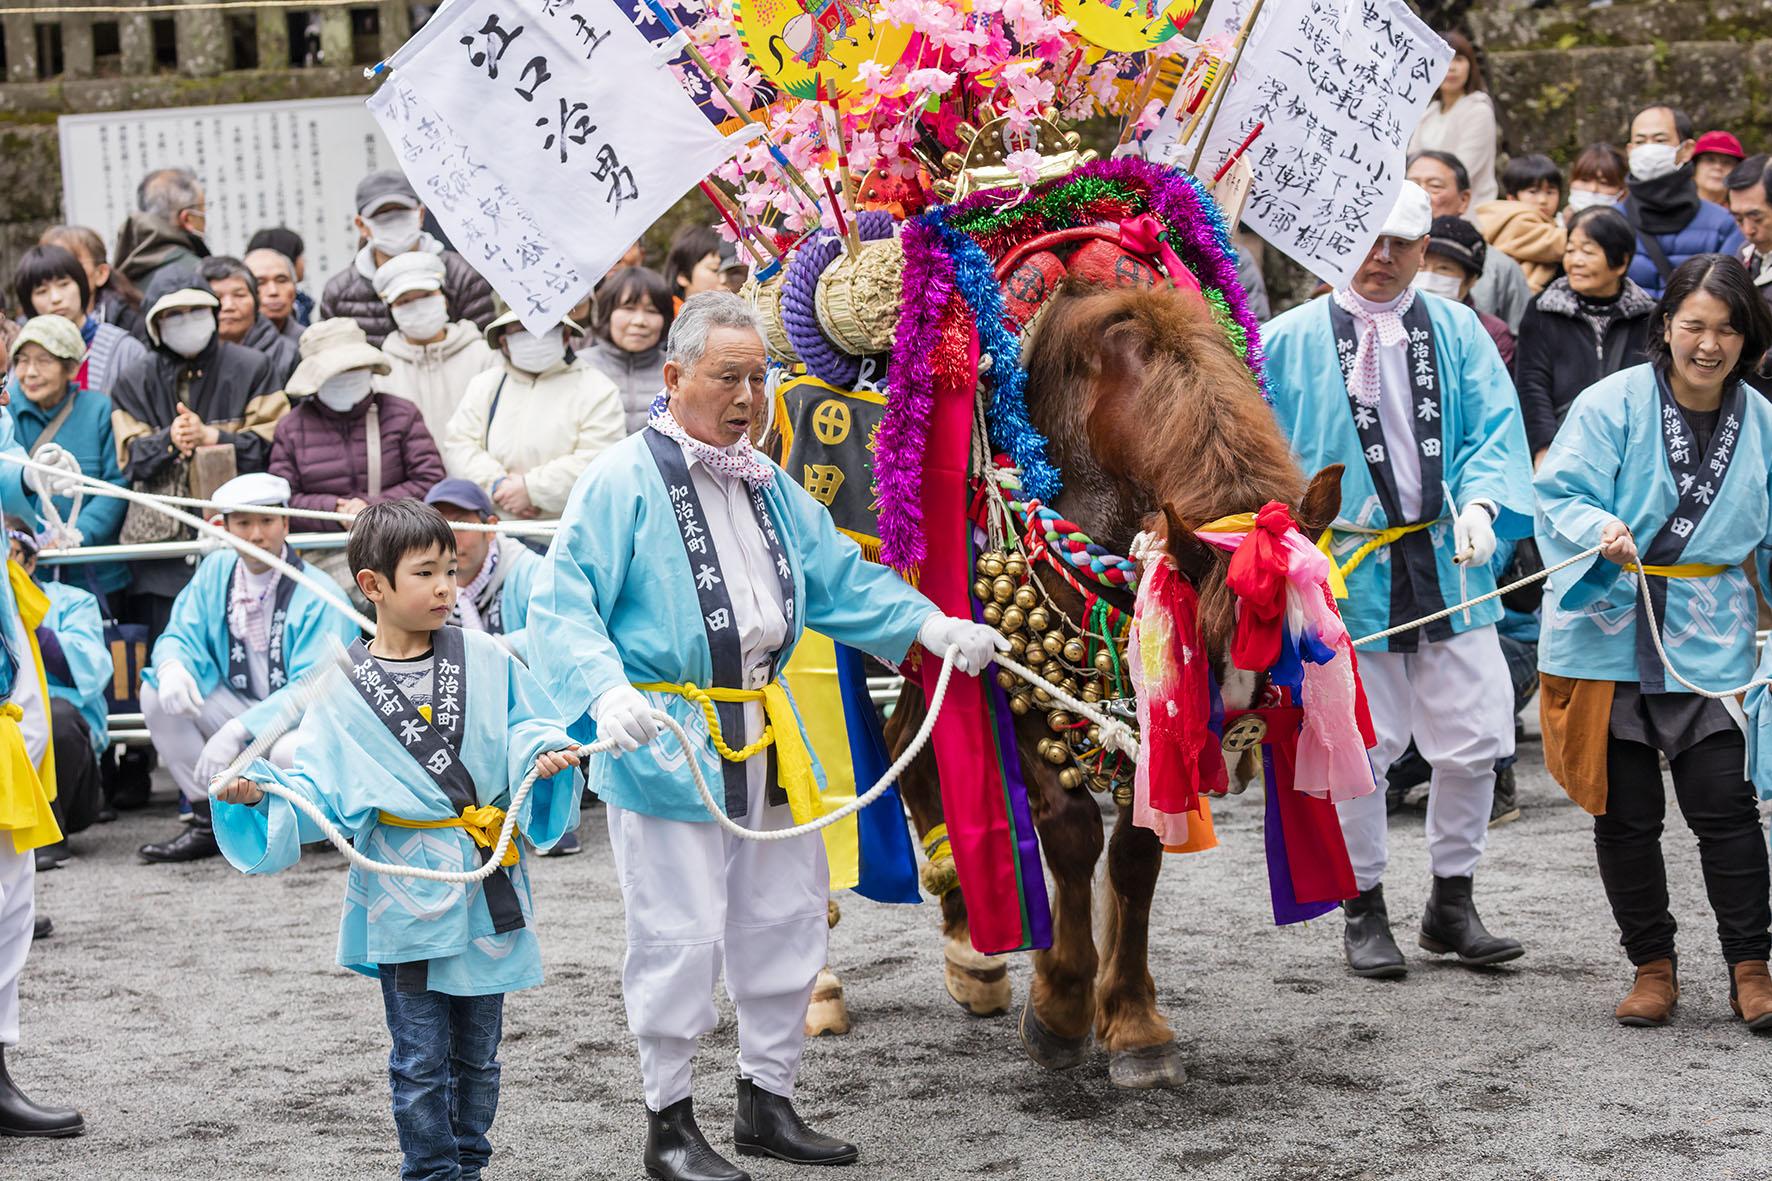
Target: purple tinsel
column 903, row 438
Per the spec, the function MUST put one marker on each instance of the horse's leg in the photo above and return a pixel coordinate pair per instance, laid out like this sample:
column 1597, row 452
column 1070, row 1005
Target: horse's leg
column 1061, row 1004
column 978, row 983
column 1141, row 1046
column 827, row 1013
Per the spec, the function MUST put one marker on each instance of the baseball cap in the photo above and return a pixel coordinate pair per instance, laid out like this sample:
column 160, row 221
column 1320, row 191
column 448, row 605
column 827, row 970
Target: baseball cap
column 459, row 493
column 1719, row 143
column 385, row 187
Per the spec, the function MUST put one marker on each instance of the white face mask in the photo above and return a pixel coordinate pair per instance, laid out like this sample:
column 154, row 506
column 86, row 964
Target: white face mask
column 396, row 232
column 532, row 353
column 1651, row 161
column 187, row 333
column 1444, row 286
column 420, row 320
column 1580, row 199
column 344, row 390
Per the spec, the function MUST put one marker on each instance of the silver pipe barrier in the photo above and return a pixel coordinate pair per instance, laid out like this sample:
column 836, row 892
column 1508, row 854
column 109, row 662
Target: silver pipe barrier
column 197, row 548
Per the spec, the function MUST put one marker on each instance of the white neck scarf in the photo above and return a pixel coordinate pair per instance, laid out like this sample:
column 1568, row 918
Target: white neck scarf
column 467, row 601
column 1384, row 324
column 741, row 460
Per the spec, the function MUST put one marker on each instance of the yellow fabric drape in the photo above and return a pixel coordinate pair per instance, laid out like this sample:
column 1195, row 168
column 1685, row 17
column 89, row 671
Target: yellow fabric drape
column 813, row 672
column 481, row 823
column 1338, row 571
column 793, row 761
column 27, row 789
column 1683, row 570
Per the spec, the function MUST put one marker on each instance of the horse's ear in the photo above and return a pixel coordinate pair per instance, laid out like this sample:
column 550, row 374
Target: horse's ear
column 1322, row 501
column 1193, row 557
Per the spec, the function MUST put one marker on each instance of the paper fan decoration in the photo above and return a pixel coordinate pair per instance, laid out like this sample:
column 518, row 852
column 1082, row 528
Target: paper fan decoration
column 1128, row 26
column 794, row 42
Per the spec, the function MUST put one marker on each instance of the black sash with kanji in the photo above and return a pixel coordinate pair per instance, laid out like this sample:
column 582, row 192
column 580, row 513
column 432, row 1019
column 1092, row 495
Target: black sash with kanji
column 716, row 607
column 436, row 745
column 278, row 674
column 1415, row 573
column 1699, row 479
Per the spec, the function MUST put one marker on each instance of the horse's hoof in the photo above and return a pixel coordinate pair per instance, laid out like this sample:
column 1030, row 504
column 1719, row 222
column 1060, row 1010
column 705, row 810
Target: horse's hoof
column 1146, row 1067
column 978, row 983
column 827, row 1014
column 1046, row 1048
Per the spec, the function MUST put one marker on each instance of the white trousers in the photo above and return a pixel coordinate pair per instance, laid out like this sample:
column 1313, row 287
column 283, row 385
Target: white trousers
column 18, row 917
column 698, row 898
column 1456, row 699
column 181, row 740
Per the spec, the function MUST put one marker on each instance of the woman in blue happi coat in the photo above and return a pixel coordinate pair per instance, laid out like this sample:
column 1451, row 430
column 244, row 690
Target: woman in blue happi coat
column 1667, row 467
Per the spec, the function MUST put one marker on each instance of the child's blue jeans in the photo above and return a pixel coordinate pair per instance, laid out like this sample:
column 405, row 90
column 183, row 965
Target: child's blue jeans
column 443, row 1071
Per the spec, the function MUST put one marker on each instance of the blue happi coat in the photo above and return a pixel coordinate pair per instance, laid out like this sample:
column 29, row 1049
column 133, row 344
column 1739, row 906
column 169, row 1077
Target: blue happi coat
column 199, row 638
column 1475, row 433
column 353, row 767
column 1610, row 461
column 617, row 603
column 84, row 667
column 518, row 567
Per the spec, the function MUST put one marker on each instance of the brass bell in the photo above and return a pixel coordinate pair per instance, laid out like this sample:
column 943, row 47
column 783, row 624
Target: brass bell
column 1003, row 588
column 1039, row 620
column 1054, row 752
column 1123, row 795
column 993, row 614
column 1013, row 619
column 1104, row 663
column 978, row 567
column 1071, row 778
column 981, row 590
column 1058, row 720
column 1025, row 597
column 1005, row 680
column 1069, row 685
column 1020, row 704
column 991, row 564
column 1015, row 566
column 1091, row 692
column 1074, row 651
column 1053, row 643
column 1041, row 697
column 1094, row 734
column 1054, row 674
column 1099, row 783
column 1035, row 657
column 1018, row 646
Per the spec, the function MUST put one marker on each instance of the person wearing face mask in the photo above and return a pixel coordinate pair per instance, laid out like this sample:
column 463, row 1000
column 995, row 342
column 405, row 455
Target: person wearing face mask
column 1502, row 291
column 1588, row 325
column 525, row 431
column 165, row 233
column 390, row 221
column 54, row 418
column 632, row 314
column 238, row 321
column 1455, row 256
column 51, row 281
column 344, row 445
column 1672, row 221
column 1667, row 467
column 431, row 356
column 1596, row 178
column 1750, row 204
column 1427, row 425
column 193, row 390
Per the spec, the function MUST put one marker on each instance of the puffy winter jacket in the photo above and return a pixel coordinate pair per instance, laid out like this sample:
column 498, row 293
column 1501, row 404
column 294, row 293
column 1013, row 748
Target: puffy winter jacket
column 1560, row 353
column 436, row 376
column 1711, row 231
column 325, row 455
column 638, row 377
column 545, row 428
column 351, row 292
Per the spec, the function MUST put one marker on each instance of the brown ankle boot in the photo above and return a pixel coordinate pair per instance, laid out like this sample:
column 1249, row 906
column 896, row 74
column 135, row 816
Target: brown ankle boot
column 1750, row 994
column 1651, row 999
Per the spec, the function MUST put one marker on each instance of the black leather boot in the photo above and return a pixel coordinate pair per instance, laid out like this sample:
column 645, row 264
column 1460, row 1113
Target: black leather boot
column 677, row 1151
column 193, row 844
column 20, row 1117
column 1451, row 924
column 766, row 1124
column 1367, row 941
column 43, row 928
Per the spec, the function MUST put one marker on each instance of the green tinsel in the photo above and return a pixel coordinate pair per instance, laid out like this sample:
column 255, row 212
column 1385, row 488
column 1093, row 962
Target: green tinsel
column 1060, row 202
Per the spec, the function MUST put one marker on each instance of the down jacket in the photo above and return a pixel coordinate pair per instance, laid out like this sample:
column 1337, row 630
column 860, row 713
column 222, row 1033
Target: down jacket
column 325, row 455
column 1709, row 230
column 351, row 292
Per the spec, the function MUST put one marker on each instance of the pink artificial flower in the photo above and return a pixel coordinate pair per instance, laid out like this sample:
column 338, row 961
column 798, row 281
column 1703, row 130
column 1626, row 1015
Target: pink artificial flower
column 926, row 81
column 1025, row 164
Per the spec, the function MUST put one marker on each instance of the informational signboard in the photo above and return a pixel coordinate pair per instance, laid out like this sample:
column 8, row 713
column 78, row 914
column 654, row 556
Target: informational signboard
column 292, row 164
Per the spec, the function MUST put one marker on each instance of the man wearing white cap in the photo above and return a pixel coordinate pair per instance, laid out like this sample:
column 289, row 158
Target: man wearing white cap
column 241, row 633
column 1428, row 427
column 431, row 357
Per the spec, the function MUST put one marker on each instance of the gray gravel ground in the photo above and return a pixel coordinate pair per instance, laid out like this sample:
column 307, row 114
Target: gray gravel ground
column 196, row 1017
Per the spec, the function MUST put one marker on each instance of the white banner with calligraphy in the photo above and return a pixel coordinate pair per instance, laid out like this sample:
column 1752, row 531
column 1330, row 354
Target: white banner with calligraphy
column 292, row 164
column 1338, row 86
column 545, row 137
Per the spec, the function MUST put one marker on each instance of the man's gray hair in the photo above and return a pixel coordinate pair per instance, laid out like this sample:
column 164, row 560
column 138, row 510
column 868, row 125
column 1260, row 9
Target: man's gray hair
column 698, row 318
column 166, row 192
column 288, row 263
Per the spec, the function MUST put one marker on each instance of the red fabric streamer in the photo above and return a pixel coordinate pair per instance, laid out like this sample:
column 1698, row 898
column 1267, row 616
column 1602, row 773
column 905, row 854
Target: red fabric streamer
column 1178, row 742
column 1258, row 578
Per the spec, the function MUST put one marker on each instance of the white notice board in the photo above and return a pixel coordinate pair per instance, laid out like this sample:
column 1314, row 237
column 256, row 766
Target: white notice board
column 294, row 164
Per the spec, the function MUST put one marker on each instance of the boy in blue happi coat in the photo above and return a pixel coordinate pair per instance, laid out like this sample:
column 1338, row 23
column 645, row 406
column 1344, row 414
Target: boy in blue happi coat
column 416, row 758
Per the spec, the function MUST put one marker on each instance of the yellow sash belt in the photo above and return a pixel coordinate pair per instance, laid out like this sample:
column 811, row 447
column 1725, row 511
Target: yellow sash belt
column 793, row 762
column 1683, row 570
column 481, row 823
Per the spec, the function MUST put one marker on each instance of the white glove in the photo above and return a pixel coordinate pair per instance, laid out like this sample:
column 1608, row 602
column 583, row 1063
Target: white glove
column 178, row 690
column 1473, row 535
column 624, row 714
column 48, row 483
column 978, row 643
column 64, row 537
column 221, row 749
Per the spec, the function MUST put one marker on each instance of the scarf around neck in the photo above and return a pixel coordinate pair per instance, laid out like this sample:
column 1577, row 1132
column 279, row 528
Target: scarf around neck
column 1667, row 204
column 1385, row 329
column 467, row 603
column 741, row 460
